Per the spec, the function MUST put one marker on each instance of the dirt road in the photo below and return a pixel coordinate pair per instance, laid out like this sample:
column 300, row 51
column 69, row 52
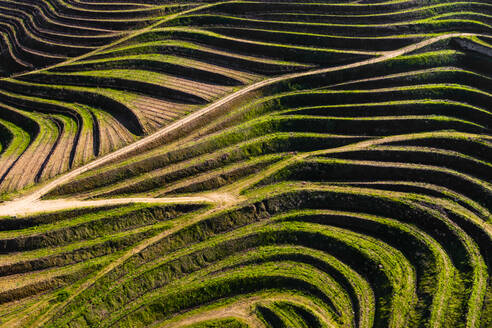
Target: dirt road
column 26, row 207
column 210, row 108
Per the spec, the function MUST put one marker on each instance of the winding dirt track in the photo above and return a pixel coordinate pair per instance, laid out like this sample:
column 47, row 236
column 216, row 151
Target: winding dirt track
column 31, row 203
column 242, row 309
column 28, row 207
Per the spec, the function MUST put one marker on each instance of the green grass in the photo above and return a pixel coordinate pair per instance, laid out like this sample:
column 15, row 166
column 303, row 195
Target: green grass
column 351, row 187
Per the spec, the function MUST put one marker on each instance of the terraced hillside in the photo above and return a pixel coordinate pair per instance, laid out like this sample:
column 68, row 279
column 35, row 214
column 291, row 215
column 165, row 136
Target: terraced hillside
column 246, row 163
